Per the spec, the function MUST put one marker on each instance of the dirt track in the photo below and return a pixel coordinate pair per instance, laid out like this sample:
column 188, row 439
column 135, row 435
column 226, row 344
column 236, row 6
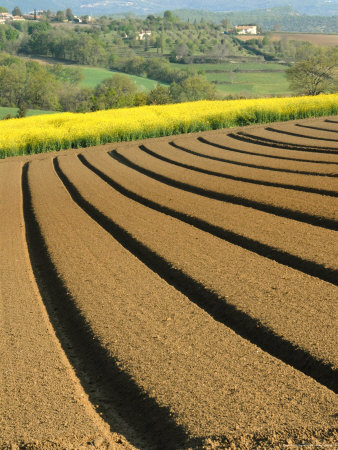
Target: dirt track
column 138, row 311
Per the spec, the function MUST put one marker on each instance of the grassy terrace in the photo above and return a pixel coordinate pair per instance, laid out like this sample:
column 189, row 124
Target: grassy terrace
column 256, row 79
column 229, row 67
column 262, row 83
column 94, row 76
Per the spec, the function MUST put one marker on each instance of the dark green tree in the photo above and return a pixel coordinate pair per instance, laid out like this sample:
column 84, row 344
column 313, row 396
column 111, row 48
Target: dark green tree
column 162, row 40
column 60, row 16
column 315, row 74
column 3, row 37
column 159, row 96
column 22, row 111
column 115, row 92
column 69, row 14
column 195, row 87
column 169, row 16
column 17, row 11
column 76, row 99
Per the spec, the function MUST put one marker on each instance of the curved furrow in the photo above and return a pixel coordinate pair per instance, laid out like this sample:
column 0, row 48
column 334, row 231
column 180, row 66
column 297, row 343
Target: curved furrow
column 208, row 153
column 108, row 388
column 159, row 294
column 42, row 403
column 253, row 149
column 210, row 190
column 267, row 317
column 302, row 183
column 331, row 121
column 316, row 136
column 153, row 335
column 280, row 133
column 268, row 141
column 319, row 128
column 71, row 256
column 311, row 256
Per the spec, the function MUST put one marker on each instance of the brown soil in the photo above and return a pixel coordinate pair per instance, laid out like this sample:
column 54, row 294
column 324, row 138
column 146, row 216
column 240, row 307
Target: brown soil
column 281, row 136
column 318, row 125
column 325, row 135
column 246, row 227
column 242, row 284
column 221, row 169
column 329, row 40
column 237, row 144
column 139, row 309
column 285, row 202
column 235, row 153
column 42, row 403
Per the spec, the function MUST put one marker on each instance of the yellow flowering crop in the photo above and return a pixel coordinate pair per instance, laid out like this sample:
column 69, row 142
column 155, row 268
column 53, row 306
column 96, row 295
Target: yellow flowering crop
column 69, row 130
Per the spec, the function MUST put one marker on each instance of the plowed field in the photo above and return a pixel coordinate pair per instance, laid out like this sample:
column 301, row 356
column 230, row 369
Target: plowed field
column 172, row 293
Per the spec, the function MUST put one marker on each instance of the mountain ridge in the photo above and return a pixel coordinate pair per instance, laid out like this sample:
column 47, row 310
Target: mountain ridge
column 100, row 7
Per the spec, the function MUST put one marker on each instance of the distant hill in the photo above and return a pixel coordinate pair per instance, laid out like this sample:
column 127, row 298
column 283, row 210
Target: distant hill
column 283, row 18
column 99, row 7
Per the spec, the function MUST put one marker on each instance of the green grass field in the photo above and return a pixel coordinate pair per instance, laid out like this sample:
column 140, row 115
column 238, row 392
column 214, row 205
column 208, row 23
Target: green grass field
column 270, row 81
column 247, row 83
column 94, row 76
column 30, row 112
column 273, row 83
column 226, row 67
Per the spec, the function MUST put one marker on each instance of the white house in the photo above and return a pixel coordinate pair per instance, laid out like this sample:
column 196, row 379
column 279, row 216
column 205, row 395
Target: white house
column 246, row 29
column 4, row 16
column 142, row 35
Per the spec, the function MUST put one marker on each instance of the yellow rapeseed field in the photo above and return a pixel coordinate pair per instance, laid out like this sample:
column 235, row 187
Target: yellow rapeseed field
column 69, row 130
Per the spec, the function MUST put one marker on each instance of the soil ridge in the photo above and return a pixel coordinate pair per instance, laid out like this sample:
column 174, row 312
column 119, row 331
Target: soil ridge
column 303, row 265
column 292, row 187
column 91, row 361
column 255, row 166
column 263, row 155
column 223, row 312
column 248, row 137
column 278, row 211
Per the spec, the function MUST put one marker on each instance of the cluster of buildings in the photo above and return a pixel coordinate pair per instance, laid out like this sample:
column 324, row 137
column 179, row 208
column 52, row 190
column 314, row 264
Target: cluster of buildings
column 7, row 17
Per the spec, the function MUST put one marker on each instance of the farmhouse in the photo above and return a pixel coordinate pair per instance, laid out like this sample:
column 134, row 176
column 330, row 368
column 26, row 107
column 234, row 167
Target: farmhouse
column 141, row 35
column 246, row 29
column 5, row 17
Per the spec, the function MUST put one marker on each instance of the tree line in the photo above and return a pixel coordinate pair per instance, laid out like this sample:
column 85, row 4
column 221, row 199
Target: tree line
column 107, row 38
column 28, row 84
column 113, row 43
